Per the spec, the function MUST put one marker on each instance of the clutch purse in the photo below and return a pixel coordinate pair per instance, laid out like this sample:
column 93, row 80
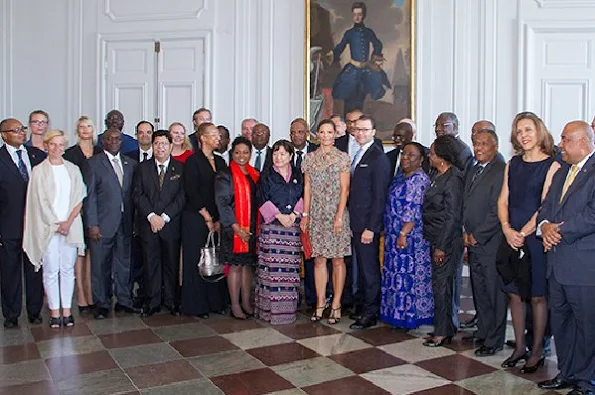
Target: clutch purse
column 208, row 264
column 306, row 244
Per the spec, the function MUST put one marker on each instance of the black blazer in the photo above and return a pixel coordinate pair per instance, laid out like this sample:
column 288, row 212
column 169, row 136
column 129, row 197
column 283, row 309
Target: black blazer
column 443, row 210
column 464, row 155
column 194, row 141
column 393, row 156
column 105, row 196
column 342, row 143
column 368, row 191
column 480, row 205
column 13, row 193
column 199, row 182
column 149, row 198
column 284, row 195
column 75, row 155
column 135, row 155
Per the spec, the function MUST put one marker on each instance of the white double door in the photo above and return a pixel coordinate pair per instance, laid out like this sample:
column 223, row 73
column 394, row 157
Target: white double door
column 159, row 81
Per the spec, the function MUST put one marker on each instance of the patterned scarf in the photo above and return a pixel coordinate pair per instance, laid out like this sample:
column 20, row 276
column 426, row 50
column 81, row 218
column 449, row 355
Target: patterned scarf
column 243, row 202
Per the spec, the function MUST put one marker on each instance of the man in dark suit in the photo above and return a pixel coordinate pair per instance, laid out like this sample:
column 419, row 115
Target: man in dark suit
column 347, row 143
column 109, row 215
column 200, row 116
column 16, row 162
column 367, row 198
column 262, row 154
column 404, row 133
column 144, row 130
column 159, row 198
column 115, row 119
column 566, row 222
column 482, row 237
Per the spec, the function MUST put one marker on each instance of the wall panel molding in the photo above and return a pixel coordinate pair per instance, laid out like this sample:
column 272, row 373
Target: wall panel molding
column 74, row 83
column 115, row 16
column 565, row 3
column 7, row 23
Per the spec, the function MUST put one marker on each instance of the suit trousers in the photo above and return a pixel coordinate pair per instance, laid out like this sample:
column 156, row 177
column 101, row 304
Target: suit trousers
column 367, row 298
column 161, row 271
column 58, row 272
column 110, row 258
column 491, row 303
column 456, row 293
column 12, row 264
column 442, row 288
column 136, row 266
column 573, row 325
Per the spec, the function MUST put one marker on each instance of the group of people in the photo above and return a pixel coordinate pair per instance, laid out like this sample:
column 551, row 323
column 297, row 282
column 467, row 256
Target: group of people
column 128, row 218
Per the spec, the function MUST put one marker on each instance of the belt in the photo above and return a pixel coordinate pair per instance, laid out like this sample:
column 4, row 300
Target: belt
column 359, row 65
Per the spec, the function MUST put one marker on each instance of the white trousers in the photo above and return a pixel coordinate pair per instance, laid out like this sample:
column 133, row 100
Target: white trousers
column 58, row 272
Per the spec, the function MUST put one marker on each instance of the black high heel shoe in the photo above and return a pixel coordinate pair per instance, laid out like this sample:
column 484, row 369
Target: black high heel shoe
column 511, row 362
column 432, row 343
column 532, row 369
column 315, row 317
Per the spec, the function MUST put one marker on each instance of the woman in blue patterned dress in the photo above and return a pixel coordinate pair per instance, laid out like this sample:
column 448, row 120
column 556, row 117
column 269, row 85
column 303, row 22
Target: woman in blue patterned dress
column 407, row 300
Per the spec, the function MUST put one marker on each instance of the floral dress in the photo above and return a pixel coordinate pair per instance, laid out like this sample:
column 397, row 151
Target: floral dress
column 324, row 170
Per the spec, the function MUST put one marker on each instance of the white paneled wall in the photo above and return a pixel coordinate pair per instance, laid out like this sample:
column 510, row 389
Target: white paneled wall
column 482, row 59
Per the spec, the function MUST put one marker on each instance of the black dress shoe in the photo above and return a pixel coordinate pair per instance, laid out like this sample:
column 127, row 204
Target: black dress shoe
column 532, row 369
column 101, row 313
column 363, row 323
column 149, row 311
column 472, row 339
column 35, row 319
column 485, row 351
column 84, row 310
column 557, row 383
column 432, row 343
column 11, row 323
column 472, row 323
column 511, row 362
column 131, row 310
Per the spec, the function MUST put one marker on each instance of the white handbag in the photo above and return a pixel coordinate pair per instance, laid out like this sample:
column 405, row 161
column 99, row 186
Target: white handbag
column 208, row 264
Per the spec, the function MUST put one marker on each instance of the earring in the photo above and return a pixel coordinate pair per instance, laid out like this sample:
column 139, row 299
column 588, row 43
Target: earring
column 441, row 163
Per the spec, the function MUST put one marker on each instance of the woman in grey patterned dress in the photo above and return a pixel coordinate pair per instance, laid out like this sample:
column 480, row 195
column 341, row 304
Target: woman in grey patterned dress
column 326, row 187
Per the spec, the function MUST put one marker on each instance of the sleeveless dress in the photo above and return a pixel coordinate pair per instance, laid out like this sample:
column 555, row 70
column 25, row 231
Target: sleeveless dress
column 525, row 185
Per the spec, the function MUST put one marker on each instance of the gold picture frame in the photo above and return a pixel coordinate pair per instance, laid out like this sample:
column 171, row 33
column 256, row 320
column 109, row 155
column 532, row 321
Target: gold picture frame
column 327, row 24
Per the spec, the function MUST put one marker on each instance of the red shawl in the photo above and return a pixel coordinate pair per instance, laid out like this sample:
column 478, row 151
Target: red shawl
column 243, row 202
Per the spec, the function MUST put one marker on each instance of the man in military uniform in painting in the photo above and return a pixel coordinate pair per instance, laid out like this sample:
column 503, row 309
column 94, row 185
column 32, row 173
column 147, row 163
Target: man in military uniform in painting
column 362, row 75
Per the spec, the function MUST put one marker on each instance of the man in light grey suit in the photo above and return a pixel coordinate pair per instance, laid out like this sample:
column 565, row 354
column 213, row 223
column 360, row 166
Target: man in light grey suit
column 567, row 225
column 483, row 237
column 109, row 213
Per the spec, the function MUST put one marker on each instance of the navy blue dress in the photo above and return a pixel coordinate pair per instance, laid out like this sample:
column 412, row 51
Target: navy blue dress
column 525, row 186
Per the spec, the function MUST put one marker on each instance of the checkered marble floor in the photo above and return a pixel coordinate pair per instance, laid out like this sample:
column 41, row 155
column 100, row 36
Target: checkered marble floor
column 126, row 354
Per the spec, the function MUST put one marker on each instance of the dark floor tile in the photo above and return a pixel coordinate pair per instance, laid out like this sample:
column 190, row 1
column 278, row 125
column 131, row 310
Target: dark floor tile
column 455, row 367
column 306, row 330
column 363, row 361
column 166, row 319
column 44, row 332
column 253, row 382
column 546, row 372
column 14, row 354
column 72, row 365
column 36, row 388
column 229, row 325
column 381, row 335
column 282, row 353
column 130, row 338
column 459, row 345
column 162, row 374
column 202, row 346
column 449, row 389
column 347, row 386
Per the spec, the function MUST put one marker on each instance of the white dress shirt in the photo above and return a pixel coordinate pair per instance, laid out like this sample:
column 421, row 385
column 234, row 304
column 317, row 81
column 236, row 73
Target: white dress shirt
column 111, row 158
column 304, row 152
column 224, row 155
column 352, row 147
column 165, row 217
column 263, row 156
column 15, row 158
column 149, row 153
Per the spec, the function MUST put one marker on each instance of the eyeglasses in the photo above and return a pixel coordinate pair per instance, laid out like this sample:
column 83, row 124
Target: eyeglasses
column 161, row 144
column 443, row 124
column 22, row 129
column 39, row 122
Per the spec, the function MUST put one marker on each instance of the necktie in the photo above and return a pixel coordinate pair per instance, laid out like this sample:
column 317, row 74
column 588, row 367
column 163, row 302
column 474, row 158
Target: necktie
column 145, row 156
column 22, row 167
column 356, row 159
column 478, row 170
column 257, row 162
column 118, row 170
column 298, row 160
column 569, row 180
column 161, row 175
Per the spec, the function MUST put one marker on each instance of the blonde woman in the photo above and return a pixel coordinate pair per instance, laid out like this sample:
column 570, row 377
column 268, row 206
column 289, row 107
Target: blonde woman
column 182, row 147
column 53, row 226
column 78, row 154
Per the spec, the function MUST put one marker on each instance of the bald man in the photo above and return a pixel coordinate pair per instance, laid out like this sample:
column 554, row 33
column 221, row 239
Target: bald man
column 567, row 225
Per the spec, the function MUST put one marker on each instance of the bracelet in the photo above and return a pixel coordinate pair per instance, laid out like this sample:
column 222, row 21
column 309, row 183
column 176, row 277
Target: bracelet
column 403, row 233
column 305, row 214
column 209, row 220
column 505, row 223
column 523, row 234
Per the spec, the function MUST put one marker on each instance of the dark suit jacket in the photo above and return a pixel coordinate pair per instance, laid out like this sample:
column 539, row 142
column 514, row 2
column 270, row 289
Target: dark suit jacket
column 464, row 155
column 199, row 180
column 480, row 206
column 75, row 155
column 13, row 193
column 368, row 191
column 194, row 141
column 105, row 196
column 443, row 210
column 149, row 198
column 571, row 261
column 342, row 143
column 135, row 155
column 268, row 157
column 129, row 143
column 393, row 156
column 310, row 147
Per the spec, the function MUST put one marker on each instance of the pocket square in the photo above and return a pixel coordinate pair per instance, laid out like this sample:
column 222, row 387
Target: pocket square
column 174, row 177
column 363, row 165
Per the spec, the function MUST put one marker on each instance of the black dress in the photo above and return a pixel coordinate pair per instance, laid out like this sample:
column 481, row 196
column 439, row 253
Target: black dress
column 226, row 205
column 199, row 296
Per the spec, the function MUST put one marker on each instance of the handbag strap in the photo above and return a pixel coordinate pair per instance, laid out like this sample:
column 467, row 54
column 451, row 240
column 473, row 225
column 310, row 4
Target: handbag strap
column 211, row 240
column 215, row 280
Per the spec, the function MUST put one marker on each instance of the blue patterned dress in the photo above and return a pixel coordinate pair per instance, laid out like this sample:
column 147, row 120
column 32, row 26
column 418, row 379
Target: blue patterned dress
column 407, row 300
